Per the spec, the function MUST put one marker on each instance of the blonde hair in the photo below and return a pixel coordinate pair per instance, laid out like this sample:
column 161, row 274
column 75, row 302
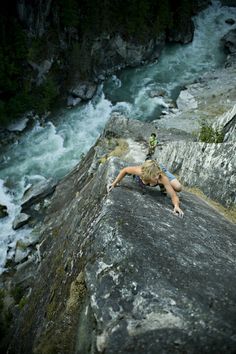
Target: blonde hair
column 150, row 169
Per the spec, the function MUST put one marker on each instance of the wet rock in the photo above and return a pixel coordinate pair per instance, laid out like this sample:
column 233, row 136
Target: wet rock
column 3, row 211
column 21, row 252
column 37, row 192
column 73, row 101
column 231, row 60
column 85, row 90
column 230, row 21
column 21, row 220
column 229, row 41
column 19, row 125
column 158, row 93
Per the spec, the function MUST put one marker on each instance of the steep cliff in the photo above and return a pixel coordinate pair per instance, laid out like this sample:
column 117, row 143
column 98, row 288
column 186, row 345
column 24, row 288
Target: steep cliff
column 120, row 273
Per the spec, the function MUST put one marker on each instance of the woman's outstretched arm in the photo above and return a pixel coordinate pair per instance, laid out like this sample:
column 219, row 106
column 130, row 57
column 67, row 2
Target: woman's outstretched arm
column 132, row 170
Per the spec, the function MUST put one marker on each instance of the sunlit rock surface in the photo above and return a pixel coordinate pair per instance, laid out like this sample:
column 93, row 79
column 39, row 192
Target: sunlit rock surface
column 206, row 100
column 210, row 167
column 120, row 273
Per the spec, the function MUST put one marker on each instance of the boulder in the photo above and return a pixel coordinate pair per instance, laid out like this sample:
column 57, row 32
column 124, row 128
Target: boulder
column 186, row 101
column 229, row 41
column 37, row 192
column 3, row 211
column 157, row 93
column 19, row 125
column 230, row 21
column 84, row 90
column 21, row 252
column 21, row 220
column 73, row 101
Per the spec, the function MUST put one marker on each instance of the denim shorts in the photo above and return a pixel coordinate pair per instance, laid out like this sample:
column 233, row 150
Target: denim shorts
column 167, row 173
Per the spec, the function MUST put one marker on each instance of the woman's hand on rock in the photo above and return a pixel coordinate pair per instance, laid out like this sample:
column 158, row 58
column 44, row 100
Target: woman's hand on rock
column 109, row 187
column 177, row 211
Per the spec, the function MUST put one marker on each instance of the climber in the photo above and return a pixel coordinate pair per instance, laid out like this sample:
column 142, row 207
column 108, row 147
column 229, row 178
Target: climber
column 152, row 174
column 152, row 144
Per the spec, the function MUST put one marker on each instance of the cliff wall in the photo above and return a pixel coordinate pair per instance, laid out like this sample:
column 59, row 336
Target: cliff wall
column 120, row 273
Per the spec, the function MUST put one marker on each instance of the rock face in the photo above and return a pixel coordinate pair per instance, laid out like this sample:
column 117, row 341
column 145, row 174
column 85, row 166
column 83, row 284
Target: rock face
column 227, row 122
column 120, row 273
column 210, row 167
column 35, row 15
column 110, row 53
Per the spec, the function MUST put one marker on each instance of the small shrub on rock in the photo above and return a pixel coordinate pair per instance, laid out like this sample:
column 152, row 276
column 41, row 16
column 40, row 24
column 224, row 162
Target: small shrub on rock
column 210, row 135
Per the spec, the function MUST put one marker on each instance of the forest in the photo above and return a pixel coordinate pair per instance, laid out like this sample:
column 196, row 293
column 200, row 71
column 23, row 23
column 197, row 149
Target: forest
column 140, row 20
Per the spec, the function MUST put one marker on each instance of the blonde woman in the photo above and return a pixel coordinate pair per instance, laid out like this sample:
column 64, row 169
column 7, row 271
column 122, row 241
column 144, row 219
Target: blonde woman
column 152, row 174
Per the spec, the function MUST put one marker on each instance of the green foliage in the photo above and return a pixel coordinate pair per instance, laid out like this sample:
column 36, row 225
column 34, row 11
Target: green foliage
column 74, row 57
column 132, row 19
column 44, row 96
column 23, row 302
column 210, row 135
column 2, row 112
column 17, row 294
column 137, row 16
column 69, row 13
column 182, row 11
column 2, row 294
column 163, row 18
column 12, row 53
column 18, row 104
column 37, row 49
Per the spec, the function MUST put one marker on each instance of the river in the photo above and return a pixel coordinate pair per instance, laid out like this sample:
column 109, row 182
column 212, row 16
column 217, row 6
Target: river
column 52, row 150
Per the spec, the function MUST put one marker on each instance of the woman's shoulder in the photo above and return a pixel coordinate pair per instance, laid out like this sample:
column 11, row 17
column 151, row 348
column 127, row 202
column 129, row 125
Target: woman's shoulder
column 164, row 179
column 134, row 170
